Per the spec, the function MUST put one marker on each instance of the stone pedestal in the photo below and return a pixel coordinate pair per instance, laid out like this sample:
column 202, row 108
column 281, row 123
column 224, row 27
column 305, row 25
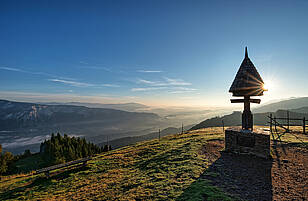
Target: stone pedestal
column 255, row 142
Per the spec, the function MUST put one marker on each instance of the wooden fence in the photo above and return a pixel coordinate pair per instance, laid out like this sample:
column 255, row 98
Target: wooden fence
column 274, row 123
column 63, row 165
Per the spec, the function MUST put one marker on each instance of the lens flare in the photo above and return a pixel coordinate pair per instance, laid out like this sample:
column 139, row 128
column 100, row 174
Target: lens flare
column 268, row 85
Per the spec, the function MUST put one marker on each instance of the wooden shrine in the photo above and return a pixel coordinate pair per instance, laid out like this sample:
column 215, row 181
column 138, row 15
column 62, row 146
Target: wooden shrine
column 247, row 83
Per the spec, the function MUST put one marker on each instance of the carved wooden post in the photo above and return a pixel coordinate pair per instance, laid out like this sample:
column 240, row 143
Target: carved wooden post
column 247, row 119
column 247, row 83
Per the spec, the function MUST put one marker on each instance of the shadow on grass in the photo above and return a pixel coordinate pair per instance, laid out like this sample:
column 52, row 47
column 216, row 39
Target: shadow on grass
column 41, row 183
column 233, row 177
column 276, row 143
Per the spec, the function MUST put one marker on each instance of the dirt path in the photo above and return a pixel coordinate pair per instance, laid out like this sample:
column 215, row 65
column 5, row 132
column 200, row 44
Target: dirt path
column 285, row 177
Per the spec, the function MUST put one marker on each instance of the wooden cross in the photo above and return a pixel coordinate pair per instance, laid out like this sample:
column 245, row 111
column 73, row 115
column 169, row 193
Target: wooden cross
column 247, row 118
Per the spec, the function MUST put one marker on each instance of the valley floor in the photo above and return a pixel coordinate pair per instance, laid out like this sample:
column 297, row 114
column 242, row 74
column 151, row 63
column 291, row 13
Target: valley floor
column 178, row 167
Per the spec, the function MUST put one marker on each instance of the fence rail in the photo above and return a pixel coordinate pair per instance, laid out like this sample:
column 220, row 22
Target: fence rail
column 59, row 166
column 274, row 123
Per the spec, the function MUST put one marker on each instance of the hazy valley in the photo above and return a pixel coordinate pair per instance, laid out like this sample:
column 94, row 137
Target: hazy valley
column 26, row 125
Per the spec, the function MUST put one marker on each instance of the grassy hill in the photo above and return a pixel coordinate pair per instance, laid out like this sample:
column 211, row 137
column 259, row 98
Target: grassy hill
column 121, row 142
column 148, row 170
column 169, row 169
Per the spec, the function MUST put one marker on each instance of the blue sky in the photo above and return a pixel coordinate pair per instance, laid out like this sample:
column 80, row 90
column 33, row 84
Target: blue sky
column 152, row 52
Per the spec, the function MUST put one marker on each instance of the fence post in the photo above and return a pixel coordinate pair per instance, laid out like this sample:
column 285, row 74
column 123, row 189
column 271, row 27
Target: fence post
column 271, row 124
column 182, row 129
column 159, row 135
column 275, row 123
column 304, row 125
column 288, row 116
column 107, row 143
column 223, row 126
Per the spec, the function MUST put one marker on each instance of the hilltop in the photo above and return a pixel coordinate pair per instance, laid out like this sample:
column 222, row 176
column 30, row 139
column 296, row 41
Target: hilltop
column 178, row 167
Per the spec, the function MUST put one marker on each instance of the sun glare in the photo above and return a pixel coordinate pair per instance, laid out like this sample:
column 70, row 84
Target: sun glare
column 268, row 85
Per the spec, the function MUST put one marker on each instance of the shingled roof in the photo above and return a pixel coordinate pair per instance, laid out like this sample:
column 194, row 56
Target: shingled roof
column 248, row 81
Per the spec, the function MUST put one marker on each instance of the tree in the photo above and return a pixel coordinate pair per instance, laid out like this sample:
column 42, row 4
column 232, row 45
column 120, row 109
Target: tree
column 27, row 153
column 6, row 159
column 61, row 149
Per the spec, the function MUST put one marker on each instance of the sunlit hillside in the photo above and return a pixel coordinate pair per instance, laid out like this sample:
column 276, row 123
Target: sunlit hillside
column 178, row 167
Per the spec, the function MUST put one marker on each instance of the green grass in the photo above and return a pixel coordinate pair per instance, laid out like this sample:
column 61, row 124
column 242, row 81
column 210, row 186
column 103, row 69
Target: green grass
column 201, row 190
column 167, row 170
column 151, row 170
column 295, row 137
column 30, row 163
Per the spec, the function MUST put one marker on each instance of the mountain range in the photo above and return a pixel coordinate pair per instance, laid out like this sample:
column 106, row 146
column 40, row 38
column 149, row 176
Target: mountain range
column 129, row 107
column 288, row 104
column 21, row 123
column 25, row 125
column 24, row 115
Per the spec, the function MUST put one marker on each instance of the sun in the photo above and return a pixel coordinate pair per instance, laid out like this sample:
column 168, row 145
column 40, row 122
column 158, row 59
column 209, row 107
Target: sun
column 268, row 85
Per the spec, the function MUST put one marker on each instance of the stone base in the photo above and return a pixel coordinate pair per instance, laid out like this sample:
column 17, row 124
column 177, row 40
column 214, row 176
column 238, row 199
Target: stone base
column 255, row 142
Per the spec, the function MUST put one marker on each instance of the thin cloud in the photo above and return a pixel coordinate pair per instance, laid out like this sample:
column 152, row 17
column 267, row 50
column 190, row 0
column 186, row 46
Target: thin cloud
column 59, row 79
column 11, row 69
column 176, row 82
column 33, row 72
column 168, row 89
column 149, row 71
column 72, row 83
column 109, row 85
column 86, row 65
column 83, row 62
column 82, row 84
column 58, row 97
column 97, row 68
column 167, row 82
column 152, row 83
column 147, row 88
column 178, row 90
column 185, row 89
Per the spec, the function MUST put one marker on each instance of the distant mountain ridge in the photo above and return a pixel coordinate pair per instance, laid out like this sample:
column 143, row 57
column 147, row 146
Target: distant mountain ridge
column 129, row 107
column 293, row 103
column 23, row 115
column 25, row 125
column 297, row 107
column 235, row 119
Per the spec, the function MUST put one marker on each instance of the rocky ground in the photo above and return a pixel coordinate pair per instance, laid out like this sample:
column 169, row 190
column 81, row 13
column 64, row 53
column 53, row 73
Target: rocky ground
column 284, row 177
